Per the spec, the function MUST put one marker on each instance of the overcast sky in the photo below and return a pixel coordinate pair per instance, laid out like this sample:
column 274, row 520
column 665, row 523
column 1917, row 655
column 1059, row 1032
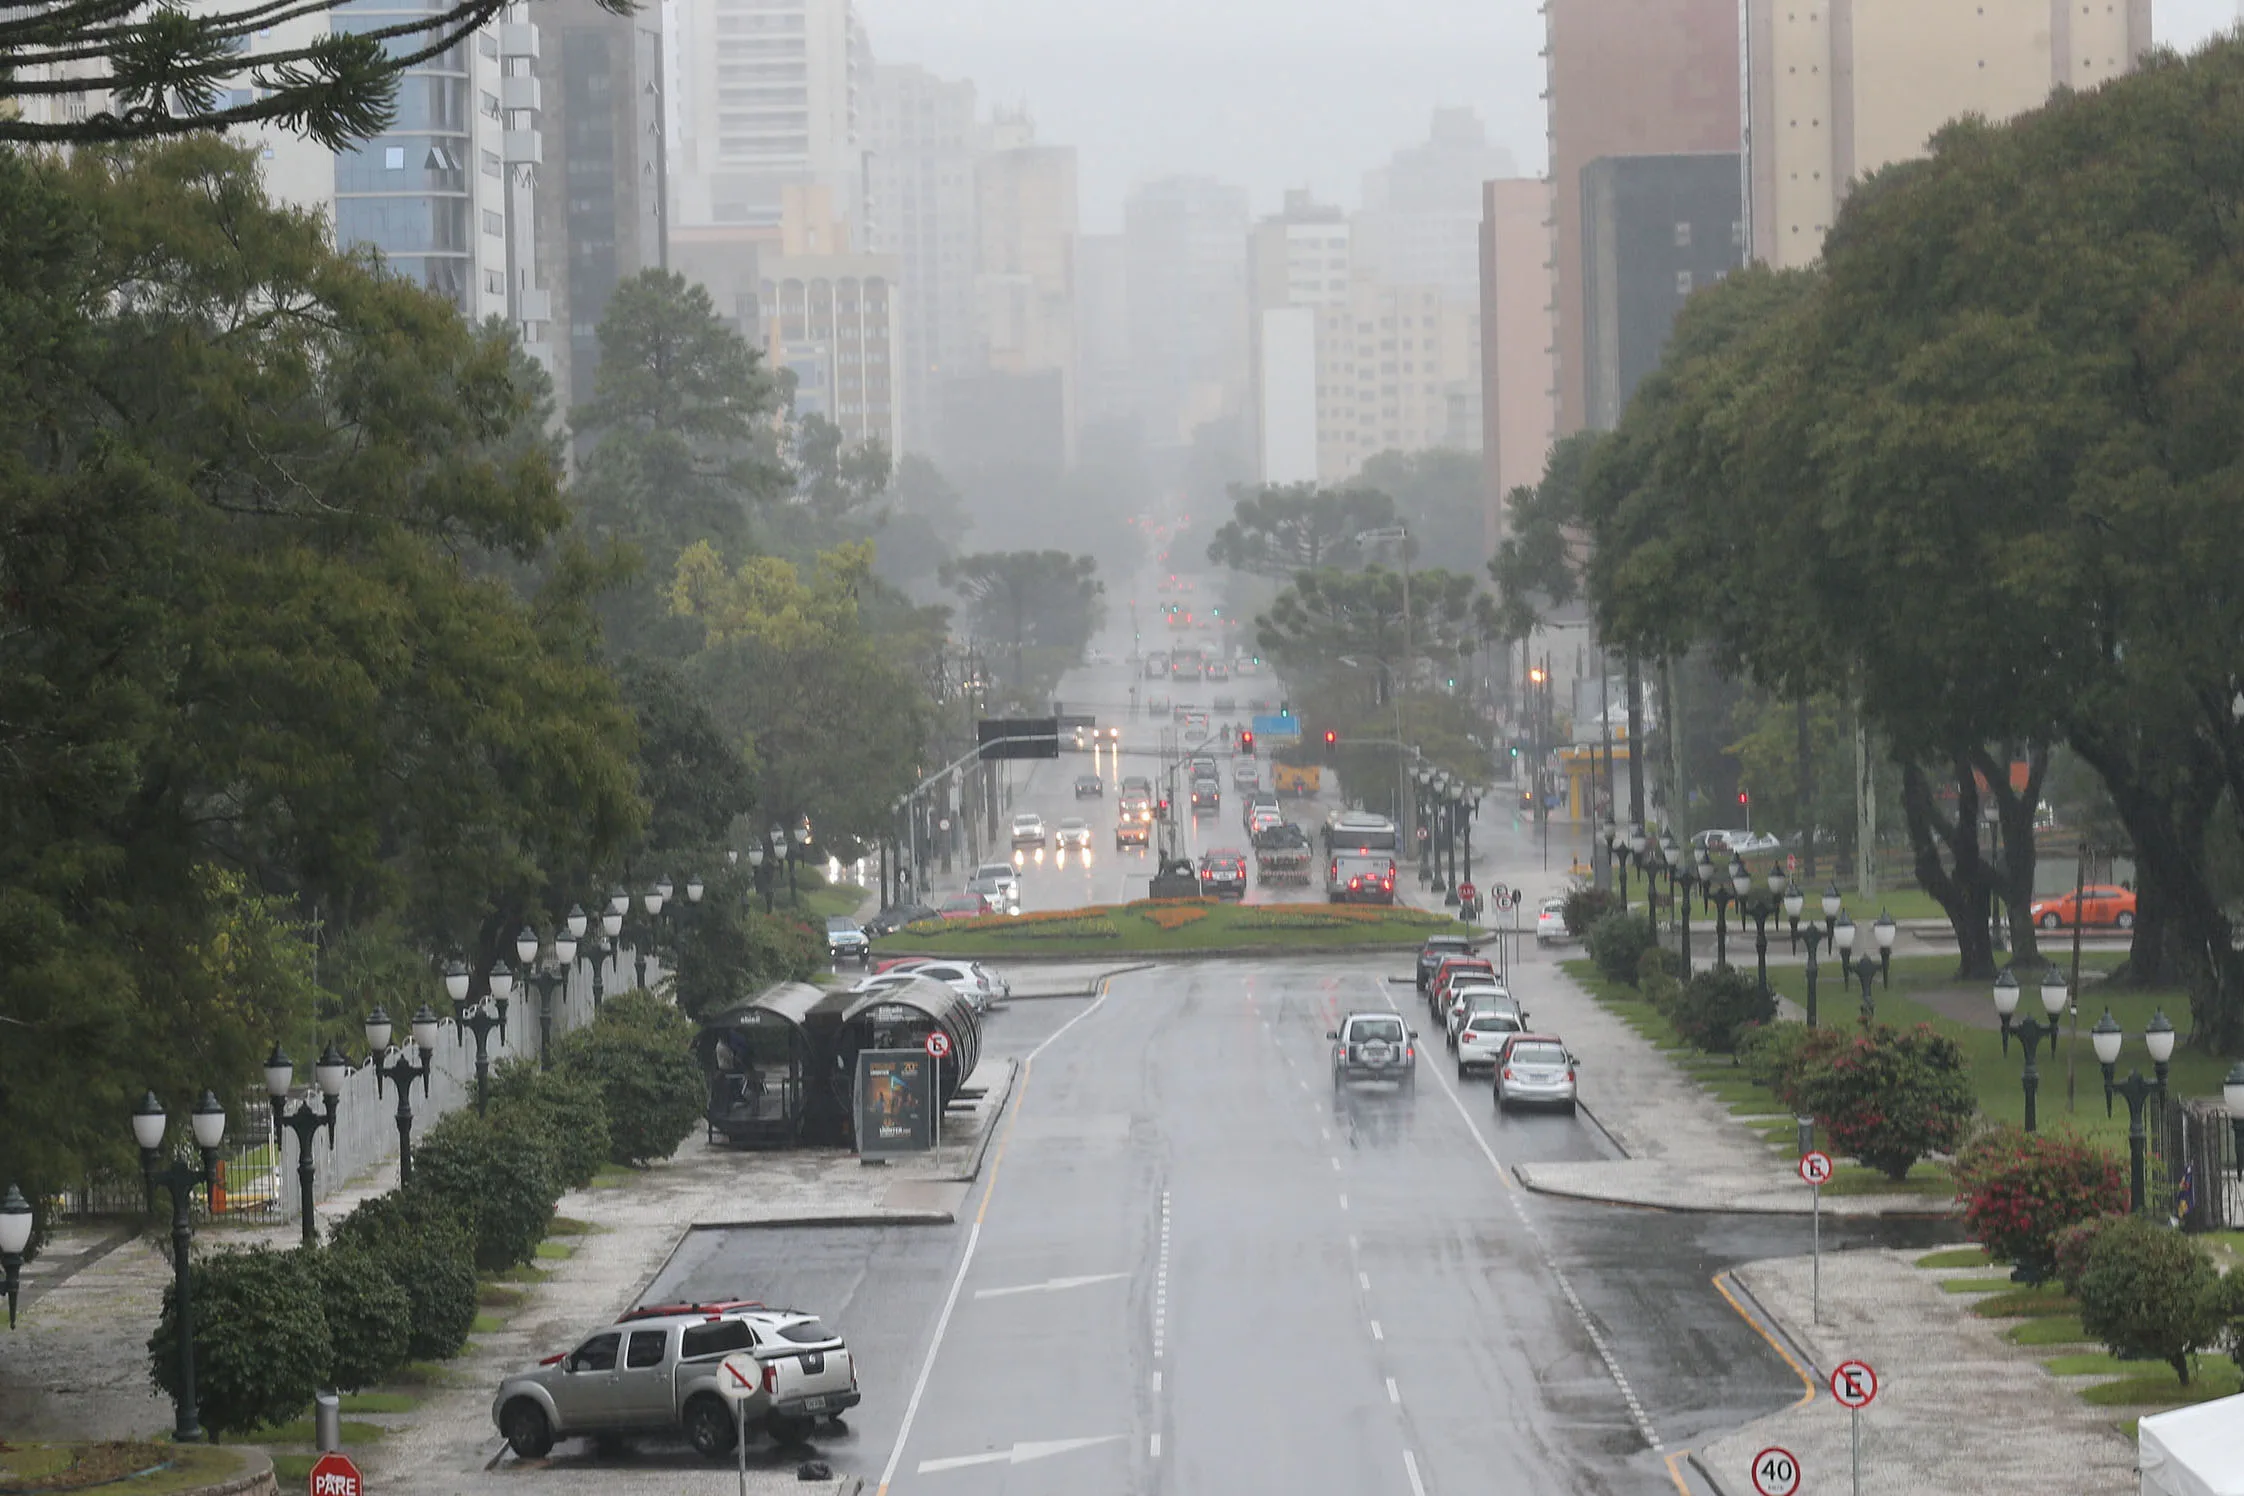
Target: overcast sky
column 1269, row 93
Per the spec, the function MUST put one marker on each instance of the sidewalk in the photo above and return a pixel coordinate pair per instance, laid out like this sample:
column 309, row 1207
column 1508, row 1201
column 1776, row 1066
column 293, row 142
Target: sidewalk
column 1957, row 1409
column 76, row 1367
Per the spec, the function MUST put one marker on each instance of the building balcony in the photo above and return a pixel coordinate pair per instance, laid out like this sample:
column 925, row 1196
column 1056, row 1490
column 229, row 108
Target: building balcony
column 518, row 39
column 525, row 148
column 523, row 92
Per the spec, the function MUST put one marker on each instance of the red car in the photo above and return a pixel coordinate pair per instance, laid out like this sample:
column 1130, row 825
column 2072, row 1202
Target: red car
column 2097, row 904
column 963, row 906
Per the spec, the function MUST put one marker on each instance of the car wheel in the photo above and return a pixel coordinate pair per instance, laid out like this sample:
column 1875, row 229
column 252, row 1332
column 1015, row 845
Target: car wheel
column 1573, row 1109
column 710, row 1427
column 2050, row 922
column 1410, row 1083
column 1502, row 1105
column 1460, row 1067
column 529, row 1433
column 786, row 1430
column 2126, row 920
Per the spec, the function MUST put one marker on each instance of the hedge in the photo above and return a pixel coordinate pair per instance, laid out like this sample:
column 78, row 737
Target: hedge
column 261, row 1338
column 638, row 1053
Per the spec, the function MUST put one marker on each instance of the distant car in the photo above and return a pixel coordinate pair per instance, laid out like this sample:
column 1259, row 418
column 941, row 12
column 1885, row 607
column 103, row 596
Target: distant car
column 1207, row 797
column 1132, row 831
column 1074, row 832
column 655, row 1371
column 846, row 940
column 1089, row 787
column 1156, row 703
column 1217, row 670
column 1373, row 1046
column 1437, row 949
column 1246, row 777
column 1223, row 874
column 967, row 905
column 1028, row 831
column 2098, row 904
column 1534, row 1070
column 1000, row 882
column 1550, row 923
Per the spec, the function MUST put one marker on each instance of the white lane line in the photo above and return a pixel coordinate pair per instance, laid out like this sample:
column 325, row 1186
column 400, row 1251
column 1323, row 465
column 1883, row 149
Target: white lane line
column 1596, row 1336
column 966, row 1260
column 1161, row 1287
column 1343, row 1202
column 1019, row 1454
column 1394, row 1393
column 1336, row 1166
column 1157, row 1384
column 1156, row 1446
column 1410, row 1468
column 1049, row 1285
column 1363, row 1281
column 1376, row 1332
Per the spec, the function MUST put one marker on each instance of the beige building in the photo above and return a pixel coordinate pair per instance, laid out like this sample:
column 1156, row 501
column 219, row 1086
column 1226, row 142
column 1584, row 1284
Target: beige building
column 1389, row 361
column 1839, row 88
column 1024, row 282
column 1298, row 259
column 767, row 95
column 1518, row 340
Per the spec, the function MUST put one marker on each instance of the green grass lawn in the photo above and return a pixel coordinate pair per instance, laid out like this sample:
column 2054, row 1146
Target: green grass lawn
column 819, row 904
column 1126, row 929
column 2049, row 1329
column 1956, row 1257
column 2028, row 1303
column 1997, row 1078
column 2155, row 1387
column 1975, row 1285
column 187, row 1467
column 555, row 1251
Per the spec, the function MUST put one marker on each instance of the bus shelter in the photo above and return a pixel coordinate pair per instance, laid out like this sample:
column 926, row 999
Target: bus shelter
column 901, row 1017
column 769, row 1064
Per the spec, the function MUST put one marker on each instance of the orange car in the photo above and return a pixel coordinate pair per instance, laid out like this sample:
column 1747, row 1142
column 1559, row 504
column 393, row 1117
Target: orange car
column 2097, row 904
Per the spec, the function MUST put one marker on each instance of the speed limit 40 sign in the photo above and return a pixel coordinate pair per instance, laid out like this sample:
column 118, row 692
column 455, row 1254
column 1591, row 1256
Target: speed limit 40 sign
column 1776, row 1472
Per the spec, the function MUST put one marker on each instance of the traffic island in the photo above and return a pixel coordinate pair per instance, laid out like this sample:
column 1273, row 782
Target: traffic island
column 135, row 1468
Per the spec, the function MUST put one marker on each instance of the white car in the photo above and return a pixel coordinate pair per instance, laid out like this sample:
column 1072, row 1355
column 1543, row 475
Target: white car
column 1000, row 882
column 1481, row 1041
column 1468, row 998
column 969, row 979
column 1028, row 831
column 1550, row 923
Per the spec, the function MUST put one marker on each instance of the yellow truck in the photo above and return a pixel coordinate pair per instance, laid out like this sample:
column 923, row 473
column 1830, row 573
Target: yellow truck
column 1299, row 780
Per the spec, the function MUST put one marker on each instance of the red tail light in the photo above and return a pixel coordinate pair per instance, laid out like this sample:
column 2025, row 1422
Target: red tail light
column 771, row 1379
column 1508, row 1073
column 1410, row 1052
column 1570, row 1077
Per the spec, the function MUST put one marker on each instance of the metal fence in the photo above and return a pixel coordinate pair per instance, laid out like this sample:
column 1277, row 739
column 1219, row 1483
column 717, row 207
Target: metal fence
column 2198, row 1160
column 256, row 1179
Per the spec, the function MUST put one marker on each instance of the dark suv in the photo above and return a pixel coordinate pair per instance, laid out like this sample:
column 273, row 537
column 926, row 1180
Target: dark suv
column 1223, row 875
column 1436, row 950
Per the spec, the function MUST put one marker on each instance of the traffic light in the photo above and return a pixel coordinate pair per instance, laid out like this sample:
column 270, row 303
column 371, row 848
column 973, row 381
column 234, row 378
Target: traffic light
column 1246, row 743
column 1744, row 798
column 1332, row 746
column 1515, row 748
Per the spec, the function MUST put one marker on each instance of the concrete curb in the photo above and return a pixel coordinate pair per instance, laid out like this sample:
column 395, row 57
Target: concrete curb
column 847, row 1218
column 989, row 1133
column 1599, row 1123
column 1734, row 1208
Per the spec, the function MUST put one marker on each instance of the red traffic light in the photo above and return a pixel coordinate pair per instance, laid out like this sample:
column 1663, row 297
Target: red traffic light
column 1331, row 738
column 1246, row 739
column 1744, row 798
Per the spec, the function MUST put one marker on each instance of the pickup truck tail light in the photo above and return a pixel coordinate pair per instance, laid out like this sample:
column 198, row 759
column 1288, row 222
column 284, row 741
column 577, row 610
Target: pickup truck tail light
column 771, row 1379
column 1508, row 1073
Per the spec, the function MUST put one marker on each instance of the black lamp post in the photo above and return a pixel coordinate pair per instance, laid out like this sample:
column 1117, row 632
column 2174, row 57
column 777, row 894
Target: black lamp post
column 1437, row 796
column 1832, row 905
column 1468, row 806
column 2108, row 1039
column 1452, row 811
column 2030, row 1031
column 1656, row 857
column 547, row 979
column 1795, row 900
column 179, row 1178
column 1722, row 889
column 480, row 1018
column 1759, row 906
column 1614, row 838
column 611, row 926
column 759, row 853
column 1866, row 972
column 393, row 1064
column 15, row 1235
column 1422, row 778
column 2232, row 1098
column 1683, row 881
column 1814, row 936
column 651, row 901
column 302, row 1119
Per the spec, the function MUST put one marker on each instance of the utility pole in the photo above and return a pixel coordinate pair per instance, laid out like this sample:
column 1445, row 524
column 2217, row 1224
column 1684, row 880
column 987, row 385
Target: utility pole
column 1636, row 745
column 1866, row 812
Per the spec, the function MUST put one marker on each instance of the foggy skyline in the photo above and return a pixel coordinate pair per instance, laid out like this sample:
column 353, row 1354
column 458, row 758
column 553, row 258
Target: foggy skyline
column 1269, row 94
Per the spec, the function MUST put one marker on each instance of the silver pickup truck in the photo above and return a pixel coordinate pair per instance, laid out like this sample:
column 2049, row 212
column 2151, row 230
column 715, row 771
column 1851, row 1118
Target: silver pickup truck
column 655, row 1371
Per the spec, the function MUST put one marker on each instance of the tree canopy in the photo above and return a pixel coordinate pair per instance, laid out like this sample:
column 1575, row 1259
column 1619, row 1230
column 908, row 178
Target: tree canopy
column 1279, row 530
column 1040, row 607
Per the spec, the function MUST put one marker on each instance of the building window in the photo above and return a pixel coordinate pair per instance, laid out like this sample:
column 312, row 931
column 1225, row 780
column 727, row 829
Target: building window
column 491, row 166
column 393, row 158
column 1682, row 282
column 494, row 223
column 1683, row 236
column 487, row 44
column 494, row 282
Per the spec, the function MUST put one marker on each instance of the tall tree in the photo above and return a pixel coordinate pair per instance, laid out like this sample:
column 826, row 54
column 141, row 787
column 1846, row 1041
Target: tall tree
column 1041, row 607
column 835, row 477
column 1538, row 564
column 1440, row 494
column 1281, row 529
column 1374, row 619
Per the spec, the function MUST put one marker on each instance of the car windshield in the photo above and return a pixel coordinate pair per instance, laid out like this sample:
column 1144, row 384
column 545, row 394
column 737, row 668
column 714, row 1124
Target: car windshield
column 841, row 925
column 1538, row 1054
column 1378, row 1030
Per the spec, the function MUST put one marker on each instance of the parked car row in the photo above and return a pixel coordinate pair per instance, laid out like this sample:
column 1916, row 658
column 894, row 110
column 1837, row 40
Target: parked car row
column 1486, row 1027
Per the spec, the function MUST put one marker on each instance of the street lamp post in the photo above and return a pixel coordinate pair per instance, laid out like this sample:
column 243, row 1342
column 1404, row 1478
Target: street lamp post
column 1832, row 905
column 1452, row 812
column 1423, row 778
column 608, row 949
column 1759, row 906
column 1437, row 794
column 1866, row 972
column 1468, row 807
column 652, row 901
column 2030, row 1031
column 1722, row 891
column 756, row 854
column 548, row 980
column 1795, row 900
column 302, row 1118
column 1814, row 937
column 1613, row 838
column 480, row 1018
column 179, row 1178
column 1885, row 930
column 2108, row 1039
column 392, row 1064
column 1683, row 882
column 15, row 1235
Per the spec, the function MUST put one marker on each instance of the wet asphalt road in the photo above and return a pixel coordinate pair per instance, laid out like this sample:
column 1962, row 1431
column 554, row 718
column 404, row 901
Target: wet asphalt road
column 1193, row 1267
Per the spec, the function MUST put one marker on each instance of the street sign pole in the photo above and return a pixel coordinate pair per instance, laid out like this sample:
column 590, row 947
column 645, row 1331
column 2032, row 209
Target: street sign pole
column 1815, row 1168
column 938, row 1045
column 1853, row 1386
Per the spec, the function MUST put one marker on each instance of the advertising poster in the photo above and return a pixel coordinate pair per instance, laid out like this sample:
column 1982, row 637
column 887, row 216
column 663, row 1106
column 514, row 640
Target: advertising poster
column 895, row 1102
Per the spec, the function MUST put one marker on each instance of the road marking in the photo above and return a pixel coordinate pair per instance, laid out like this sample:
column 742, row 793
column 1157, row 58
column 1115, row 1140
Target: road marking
column 1336, row 1166
column 1807, row 1382
column 1157, row 1384
column 1019, row 1454
column 1363, row 1281
column 1410, row 1468
column 1049, row 1285
column 1343, row 1202
column 1394, row 1393
column 1376, row 1332
column 973, row 1240
column 1161, row 1289
column 1596, row 1336
column 1155, row 1446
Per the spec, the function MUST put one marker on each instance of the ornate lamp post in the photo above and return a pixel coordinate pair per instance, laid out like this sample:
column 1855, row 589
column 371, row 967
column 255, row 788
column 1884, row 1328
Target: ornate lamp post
column 1759, row 905
column 1814, row 935
column 611, row 926
column 1724, row 890
column 1468, row 807
column 756, row 854
column 479, row 1018
column 1423, row 778
column 1611, row 836
column 1832, row 905
column 15, row 1235
column 1655, row 858
column 394, row 1065
column 1683, row 882
column 2108, row 1039
column 179, row 1178
column 2030, row 1031
column 1795, row 900
column 302, row 1119
column 652, row 901
column 1885, row 930
column 1437, row 795
column 548, row 980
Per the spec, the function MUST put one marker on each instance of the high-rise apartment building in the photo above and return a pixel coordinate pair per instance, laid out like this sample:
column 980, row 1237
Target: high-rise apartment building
column 1518, row 359
column 600, row 191
column 921, row 143
column 1102, row 331
column 831, row 316
column 1298, row 259
column 1185, row 255
column 1391, row 360
column 1839, row 88
column 1420, row 220
column 1629, row 78
column 1025, row 278
column 768, row 97
column 1654, row 230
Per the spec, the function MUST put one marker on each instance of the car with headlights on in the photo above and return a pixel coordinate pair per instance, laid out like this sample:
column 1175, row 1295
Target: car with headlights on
column 1074, row 835
column 1535, row 1070
column 1028, row 832
column 655, row 1371
column 846, row 941
column 1089, row 787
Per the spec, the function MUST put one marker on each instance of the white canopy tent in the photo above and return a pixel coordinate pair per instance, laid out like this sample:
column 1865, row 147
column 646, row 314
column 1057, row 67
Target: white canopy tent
column 2196, row 1451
